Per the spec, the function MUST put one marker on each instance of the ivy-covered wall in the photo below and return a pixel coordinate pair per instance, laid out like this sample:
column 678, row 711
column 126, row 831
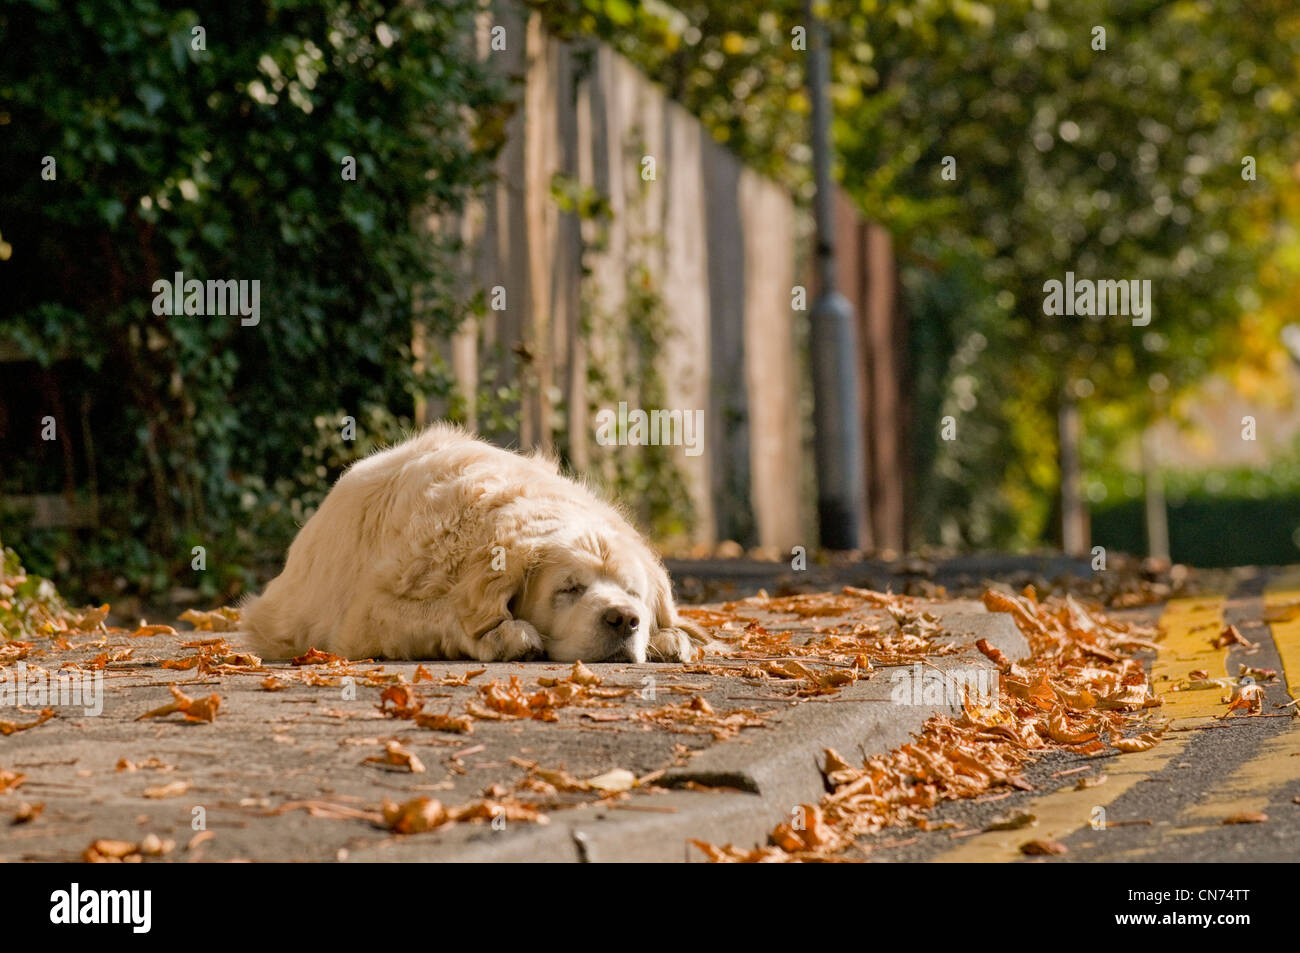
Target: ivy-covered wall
column 275, row 141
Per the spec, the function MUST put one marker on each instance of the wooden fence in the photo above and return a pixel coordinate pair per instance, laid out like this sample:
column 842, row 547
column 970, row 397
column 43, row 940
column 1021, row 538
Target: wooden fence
column 680, row 219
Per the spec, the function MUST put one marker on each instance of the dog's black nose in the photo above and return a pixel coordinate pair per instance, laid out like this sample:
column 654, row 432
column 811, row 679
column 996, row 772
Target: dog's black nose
column 621, row 620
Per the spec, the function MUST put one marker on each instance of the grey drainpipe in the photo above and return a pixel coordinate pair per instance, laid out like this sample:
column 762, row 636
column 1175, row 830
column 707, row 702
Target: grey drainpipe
column 841, row 481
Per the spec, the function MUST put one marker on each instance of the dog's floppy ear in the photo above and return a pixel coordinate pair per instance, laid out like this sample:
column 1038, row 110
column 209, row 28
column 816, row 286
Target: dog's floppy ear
column 489, row 580
column 665, row 610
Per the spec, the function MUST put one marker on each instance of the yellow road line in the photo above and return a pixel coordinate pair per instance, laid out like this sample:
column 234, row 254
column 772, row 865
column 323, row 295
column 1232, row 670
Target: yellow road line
column 1188, row 625
column 1254, row 783
column 1282, row 608
column 1068, row 810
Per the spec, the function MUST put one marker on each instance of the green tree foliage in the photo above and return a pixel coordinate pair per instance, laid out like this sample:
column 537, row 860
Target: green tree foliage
column 211, row 140
column 1122, row 162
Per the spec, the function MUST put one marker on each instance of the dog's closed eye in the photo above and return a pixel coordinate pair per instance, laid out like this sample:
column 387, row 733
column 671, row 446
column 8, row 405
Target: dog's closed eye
column 572, row 588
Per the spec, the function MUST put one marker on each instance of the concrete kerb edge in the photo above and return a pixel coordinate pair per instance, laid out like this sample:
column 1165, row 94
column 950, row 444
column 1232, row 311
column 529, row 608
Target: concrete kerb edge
column 774, row 770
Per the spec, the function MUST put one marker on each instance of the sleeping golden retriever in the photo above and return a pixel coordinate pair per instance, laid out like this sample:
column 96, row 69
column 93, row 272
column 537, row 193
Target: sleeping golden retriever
column 445, row 547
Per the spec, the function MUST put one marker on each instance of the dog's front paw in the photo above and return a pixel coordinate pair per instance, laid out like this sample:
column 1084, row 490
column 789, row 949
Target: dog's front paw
column 512, row 640
column 671, row 644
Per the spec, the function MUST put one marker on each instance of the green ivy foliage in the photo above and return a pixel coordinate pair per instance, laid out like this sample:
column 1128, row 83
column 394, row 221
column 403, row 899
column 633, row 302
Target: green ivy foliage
column 29, row 605
column 211, row 139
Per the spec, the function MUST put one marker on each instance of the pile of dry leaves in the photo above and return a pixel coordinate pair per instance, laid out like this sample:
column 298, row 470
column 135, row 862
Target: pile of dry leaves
column 823, row 658
column 1074, row 694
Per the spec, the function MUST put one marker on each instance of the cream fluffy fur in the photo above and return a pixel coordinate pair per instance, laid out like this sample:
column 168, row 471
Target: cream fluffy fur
column 446, row 547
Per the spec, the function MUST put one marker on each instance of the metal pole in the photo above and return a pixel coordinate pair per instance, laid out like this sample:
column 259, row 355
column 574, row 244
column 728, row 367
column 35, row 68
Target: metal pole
column 841, row 478
column 1074, row 515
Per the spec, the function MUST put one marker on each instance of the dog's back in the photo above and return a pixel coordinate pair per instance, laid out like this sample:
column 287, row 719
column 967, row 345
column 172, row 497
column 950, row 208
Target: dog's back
column 352, row 534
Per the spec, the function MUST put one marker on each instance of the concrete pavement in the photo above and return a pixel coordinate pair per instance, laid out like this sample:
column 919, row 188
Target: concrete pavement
column 294, row 765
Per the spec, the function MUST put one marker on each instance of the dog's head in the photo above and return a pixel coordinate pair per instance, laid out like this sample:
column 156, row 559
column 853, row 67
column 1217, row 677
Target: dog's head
column 581, row 576
column 593, row 595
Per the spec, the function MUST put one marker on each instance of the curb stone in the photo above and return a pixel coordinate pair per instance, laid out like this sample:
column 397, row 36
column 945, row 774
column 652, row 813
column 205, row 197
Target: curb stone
column 772, row 770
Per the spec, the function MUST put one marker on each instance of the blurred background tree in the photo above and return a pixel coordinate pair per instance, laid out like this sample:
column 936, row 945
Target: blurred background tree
column 1122, row 162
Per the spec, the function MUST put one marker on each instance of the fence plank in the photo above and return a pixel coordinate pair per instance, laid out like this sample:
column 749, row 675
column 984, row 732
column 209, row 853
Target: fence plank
column 719, row 242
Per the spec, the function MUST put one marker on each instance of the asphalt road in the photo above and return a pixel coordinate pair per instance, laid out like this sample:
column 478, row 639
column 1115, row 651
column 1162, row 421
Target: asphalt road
column 1169, row 804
